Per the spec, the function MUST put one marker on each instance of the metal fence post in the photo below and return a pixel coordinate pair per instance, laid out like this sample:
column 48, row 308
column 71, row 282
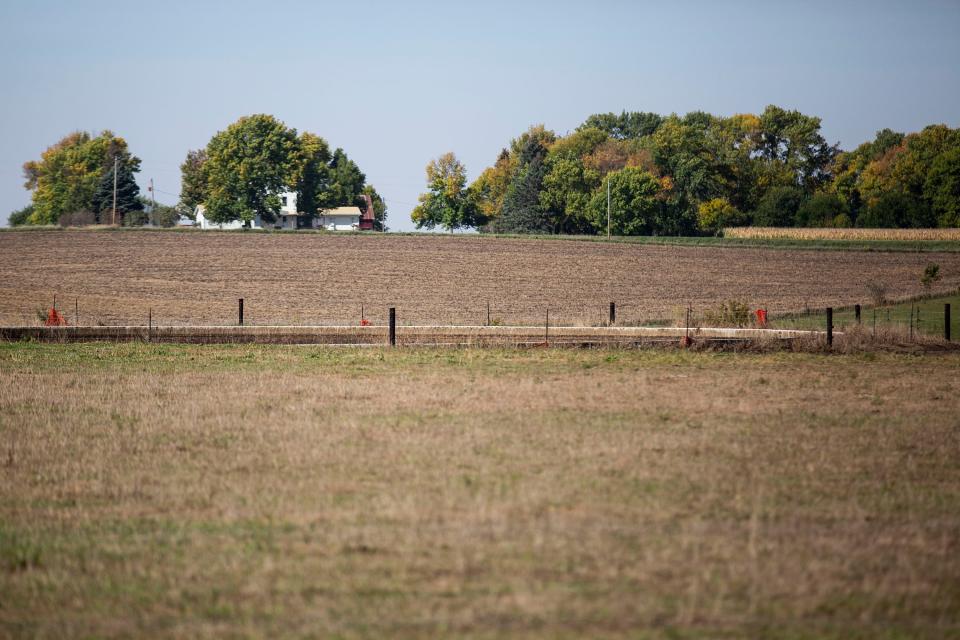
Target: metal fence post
column 856, row 312
column 546, row 329
column 829, row 326
column 613, row 313
column 393, row 326
column 946, row 321
column 240, row 311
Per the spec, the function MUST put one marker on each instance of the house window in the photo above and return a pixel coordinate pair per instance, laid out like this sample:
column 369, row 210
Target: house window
column 283, row 199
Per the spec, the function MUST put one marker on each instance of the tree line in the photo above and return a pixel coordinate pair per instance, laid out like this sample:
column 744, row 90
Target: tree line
column 697, row 174
column 241, row 173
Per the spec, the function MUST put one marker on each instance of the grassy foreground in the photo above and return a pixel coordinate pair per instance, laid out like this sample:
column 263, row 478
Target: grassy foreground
column 201, row 491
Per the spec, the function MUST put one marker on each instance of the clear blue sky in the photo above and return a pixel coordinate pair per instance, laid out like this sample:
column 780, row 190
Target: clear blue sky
column 397, row 83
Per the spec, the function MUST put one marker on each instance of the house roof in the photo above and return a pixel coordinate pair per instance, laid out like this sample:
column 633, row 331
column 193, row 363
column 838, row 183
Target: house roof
column 342, row 211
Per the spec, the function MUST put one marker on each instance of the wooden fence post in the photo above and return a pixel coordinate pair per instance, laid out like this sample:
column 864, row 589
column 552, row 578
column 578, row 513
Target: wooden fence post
column 393, row 326
column 829, row 326
column 946, row 321
column 150, row 325
column 240, row 311
column 613, row 313
column 856, row 312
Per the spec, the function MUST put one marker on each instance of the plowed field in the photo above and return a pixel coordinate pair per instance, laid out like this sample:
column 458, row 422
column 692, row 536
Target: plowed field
column 196, row 278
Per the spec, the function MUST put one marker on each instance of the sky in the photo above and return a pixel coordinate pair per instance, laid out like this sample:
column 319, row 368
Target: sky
column 398, row 83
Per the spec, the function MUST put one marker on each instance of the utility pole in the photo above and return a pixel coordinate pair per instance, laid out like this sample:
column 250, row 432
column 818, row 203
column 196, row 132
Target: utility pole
column 153, row 199
column 114, row 189
column 608, row 208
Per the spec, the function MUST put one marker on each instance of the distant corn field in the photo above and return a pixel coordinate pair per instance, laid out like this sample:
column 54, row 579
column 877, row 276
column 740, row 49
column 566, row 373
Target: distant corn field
column 788, row 233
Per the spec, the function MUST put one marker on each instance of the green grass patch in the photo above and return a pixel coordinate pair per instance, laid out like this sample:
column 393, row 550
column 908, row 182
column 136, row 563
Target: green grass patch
column 927, row 314
column 695, row 241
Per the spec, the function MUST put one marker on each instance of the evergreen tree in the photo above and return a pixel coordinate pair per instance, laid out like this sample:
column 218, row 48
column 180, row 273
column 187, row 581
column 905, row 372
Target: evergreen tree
column 127, row 193
column 522, row 212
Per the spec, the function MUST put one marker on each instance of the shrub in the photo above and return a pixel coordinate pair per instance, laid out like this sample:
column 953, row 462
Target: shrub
column 820, row 210
column 729, row 314
column 77, row 219
column 164, row 216
column 931, row 274
column 135, row 218
column 714, row 215
column 878, row 292
column 842, row 221
column 21, row 216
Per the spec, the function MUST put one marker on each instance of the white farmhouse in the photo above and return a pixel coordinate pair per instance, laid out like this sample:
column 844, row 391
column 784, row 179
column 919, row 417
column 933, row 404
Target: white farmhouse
column 203, row 223
column 335, row 219
column 286, row 218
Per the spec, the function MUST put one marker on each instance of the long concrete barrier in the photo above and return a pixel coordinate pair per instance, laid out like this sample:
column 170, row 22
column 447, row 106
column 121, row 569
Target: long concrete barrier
column 344, row 335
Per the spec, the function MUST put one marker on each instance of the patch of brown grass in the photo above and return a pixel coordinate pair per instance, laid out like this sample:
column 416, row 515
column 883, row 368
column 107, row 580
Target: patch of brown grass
column 280, row 491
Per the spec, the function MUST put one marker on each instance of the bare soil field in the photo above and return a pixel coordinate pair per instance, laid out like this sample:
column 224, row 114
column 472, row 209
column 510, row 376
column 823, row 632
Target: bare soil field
column 257, row 491
column 196, row 278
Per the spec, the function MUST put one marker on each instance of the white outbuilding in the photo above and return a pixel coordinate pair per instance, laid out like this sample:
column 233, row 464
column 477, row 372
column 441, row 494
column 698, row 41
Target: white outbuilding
column 338, row 219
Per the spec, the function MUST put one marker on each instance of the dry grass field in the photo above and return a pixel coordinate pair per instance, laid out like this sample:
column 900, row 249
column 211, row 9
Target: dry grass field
column 195, row 278
column 821, row 233
column 241, row 491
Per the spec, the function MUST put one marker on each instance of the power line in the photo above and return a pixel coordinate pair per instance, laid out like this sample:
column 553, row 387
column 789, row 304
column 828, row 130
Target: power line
column 391, row 200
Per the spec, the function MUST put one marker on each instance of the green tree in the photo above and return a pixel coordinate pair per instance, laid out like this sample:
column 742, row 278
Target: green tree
column 567, row 189
column 635, row 208
column 578, row 145
column 794, row 139
column 778, row 207
column 193, row 180
column 896, row 209
column 490, row 187
column 682, row 149
column 942, row 188
column 346, row 182
column 446, row 203
column 247, row 166
column 311, row 179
